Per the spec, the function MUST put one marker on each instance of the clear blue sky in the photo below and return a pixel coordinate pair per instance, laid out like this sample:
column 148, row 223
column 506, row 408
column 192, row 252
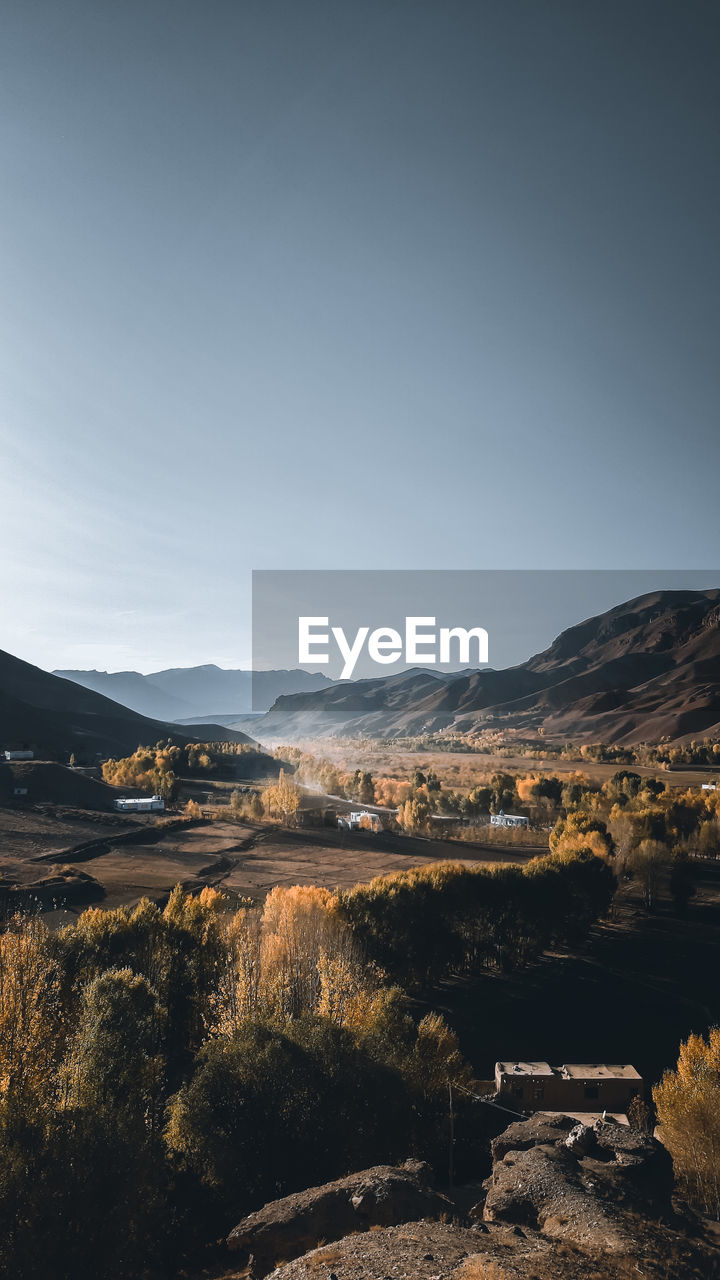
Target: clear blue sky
column 363, row 283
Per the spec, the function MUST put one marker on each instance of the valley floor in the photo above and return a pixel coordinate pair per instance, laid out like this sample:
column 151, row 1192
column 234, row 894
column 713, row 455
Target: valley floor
column 136, row 858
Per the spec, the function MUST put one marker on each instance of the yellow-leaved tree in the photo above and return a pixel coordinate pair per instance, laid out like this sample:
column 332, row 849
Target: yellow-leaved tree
column 282, row 798
column 295, row 956
column 30, row 1016
column 688, row 1106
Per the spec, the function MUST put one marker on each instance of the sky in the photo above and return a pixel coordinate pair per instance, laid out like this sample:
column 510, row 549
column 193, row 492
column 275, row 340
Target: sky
column 326, row 284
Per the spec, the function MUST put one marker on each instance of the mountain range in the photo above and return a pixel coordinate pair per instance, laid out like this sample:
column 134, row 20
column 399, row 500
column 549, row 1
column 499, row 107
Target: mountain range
column 645, row 670
column 189, row 693
column 54, row 716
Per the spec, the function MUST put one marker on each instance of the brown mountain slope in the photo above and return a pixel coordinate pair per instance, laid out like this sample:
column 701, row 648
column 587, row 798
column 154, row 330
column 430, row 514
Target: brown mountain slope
column 55, row 716
column 647, row 669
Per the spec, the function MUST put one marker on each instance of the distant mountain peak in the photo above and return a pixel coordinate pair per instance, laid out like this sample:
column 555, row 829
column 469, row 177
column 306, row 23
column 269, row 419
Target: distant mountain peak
column 191, row 693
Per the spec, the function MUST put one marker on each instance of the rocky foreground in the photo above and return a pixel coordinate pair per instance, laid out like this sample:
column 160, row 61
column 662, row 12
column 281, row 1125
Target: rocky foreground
column 566, row 1201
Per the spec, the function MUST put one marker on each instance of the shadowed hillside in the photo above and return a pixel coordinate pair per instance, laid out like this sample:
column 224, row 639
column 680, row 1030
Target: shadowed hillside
column 54, row 717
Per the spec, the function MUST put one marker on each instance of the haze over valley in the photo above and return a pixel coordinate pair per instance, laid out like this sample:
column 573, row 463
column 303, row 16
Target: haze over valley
column 646, row 670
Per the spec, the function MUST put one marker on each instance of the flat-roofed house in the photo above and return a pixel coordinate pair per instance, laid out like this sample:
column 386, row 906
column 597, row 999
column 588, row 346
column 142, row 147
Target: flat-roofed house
column 583, row 1086
column 509, row 820
column 140, row 804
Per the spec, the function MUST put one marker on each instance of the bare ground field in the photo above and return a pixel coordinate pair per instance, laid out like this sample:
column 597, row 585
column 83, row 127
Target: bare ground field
column 27, row 833
column 245, row 860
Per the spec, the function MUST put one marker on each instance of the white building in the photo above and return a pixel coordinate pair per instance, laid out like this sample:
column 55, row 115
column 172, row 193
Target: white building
column 19, row 755
column 508, row 820
column 361, row 819
column 140, row 804
column 709, row 786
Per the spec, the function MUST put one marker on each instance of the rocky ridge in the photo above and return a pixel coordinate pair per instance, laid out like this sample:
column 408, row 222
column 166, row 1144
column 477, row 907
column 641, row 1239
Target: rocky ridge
column 564, row 1201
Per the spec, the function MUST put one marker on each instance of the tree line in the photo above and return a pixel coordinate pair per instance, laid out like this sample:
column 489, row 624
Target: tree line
column 159, row 769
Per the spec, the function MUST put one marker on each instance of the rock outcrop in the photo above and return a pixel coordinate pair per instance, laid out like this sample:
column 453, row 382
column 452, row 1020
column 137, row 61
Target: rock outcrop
column 565, row 1201
column 578, row 1182
column 380, row 1197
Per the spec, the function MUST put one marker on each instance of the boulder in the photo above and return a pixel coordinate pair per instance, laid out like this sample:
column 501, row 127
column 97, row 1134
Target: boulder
column 542, row 1127
column 382, row 1196
column 581, row 1139
column 541, row 1188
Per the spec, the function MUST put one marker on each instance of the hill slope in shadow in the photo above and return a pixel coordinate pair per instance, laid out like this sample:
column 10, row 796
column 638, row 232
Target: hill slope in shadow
column 55, row 716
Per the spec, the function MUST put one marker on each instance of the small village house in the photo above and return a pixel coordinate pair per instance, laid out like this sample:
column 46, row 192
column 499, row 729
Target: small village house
column 508, row 820
column 587, row 1086
column 140, row 804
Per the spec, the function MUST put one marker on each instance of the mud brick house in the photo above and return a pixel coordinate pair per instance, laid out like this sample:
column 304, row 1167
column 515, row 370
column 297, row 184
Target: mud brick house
column 587, row 1086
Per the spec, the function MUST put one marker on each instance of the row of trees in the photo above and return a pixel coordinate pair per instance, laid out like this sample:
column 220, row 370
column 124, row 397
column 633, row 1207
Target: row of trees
column 654, row 832
column 422, row 794
column 159, row 769
column 651, row 830
column 542, row 796
column 422, row 923
column 704, row 751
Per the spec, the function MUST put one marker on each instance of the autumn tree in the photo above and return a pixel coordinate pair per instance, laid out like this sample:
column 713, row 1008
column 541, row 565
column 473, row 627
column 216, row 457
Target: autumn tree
column 110, row 1142
column 416, row 813
column 252, row 1096
column 688, row 1106
column 580, row 831
column 31, row 1032
column 115, row 1062
column 647, row 862
column 256, row 807
column 279, row 961
column 282, row 797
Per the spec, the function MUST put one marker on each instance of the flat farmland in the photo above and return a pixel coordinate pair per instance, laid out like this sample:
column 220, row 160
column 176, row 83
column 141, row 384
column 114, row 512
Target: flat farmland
column 248, row 861
column 127, row 862
column 464, row 769
column 28, row 834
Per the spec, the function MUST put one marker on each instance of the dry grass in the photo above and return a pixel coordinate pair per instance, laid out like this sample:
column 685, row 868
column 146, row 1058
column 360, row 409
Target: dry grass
column 512, row 837
column 478, row 1267
column 326, row 1256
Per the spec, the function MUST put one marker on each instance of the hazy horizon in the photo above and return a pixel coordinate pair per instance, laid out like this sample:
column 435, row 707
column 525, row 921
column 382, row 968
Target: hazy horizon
column 527, row 611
